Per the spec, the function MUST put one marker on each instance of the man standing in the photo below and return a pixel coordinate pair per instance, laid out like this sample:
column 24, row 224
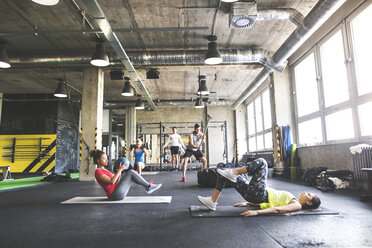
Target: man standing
column 176, row 144
column 196, row 140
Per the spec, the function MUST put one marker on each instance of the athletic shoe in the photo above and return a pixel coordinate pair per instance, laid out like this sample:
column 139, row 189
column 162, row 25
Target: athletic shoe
column 207, row 201
column 184, row 179
column 229, row 174
column 152, row 187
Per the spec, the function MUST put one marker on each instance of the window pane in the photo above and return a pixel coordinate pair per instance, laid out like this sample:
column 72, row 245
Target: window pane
column 266, row 109
column 365, row 118
column 334, row 71
column 260, row 144
column 306, row 86
column 310, row 132
column 251, row 127
column 339, row 125
column 268, row 141
column 252, row 144
column 362, row 40
column 257, row 106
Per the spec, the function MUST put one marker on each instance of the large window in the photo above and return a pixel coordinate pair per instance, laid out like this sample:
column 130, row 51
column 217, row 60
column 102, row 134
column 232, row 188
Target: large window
column 332, row 85
column 259, row 123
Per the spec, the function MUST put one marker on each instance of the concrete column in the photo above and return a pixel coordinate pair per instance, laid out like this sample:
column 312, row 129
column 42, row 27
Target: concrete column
column 1, row 104
column 130, row 127
column 91, row 119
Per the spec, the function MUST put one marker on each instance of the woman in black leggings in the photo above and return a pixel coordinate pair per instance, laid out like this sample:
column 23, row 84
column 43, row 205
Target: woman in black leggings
column 256, row 193
column 117, row 185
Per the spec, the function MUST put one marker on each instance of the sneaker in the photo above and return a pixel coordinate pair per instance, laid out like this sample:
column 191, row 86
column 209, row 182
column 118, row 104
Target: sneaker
column 207, row 201
column 152, row 187
column 229, row 174
column 184, row 179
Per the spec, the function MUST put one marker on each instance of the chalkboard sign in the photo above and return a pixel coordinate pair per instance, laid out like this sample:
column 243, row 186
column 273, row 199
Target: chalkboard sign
column 67, row 151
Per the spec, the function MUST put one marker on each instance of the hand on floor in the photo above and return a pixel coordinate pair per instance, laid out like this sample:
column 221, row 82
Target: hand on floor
column 249, row 213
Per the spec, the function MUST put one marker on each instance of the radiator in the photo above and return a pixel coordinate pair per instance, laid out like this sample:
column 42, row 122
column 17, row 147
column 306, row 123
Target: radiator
column 362, row 160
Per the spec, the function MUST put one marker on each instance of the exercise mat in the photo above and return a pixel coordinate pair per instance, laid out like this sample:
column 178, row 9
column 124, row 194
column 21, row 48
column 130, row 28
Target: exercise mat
column 230, row 211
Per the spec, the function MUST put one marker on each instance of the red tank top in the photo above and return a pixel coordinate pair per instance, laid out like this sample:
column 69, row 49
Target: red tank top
column 108, row 188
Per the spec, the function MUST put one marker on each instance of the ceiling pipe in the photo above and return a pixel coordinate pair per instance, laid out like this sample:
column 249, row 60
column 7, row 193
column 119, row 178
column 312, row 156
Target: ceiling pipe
column 316, row 17
column 280, row 14
column 97, row 14
column 155, row 58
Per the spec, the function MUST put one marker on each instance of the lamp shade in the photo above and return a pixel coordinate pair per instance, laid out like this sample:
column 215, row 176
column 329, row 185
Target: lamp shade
column 139, row 104
column 4, row 59
column 46, row 2
column 100, row 57
column 203, row 89
column 213, row 56
column 229, row 1
column 199, row 103
column 128, row 89
column 61, row 90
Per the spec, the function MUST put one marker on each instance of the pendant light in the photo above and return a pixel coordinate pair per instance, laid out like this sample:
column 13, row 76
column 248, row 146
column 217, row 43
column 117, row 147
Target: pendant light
column 128, row 89
column 46, row 2
column 213, row 56
column 100, row 57
column 199, row 103
column 139, row 104
column 203, row 89
column 4, row 59
column 61, row 91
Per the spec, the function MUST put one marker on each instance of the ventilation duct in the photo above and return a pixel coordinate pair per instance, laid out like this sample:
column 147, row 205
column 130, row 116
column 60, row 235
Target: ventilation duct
column 156, row 58
column 245, row 14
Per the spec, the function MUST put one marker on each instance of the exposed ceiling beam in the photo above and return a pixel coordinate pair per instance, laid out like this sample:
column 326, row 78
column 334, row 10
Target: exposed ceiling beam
column 96, row 12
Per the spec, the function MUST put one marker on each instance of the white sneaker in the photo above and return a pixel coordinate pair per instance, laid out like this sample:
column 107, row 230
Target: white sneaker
column 207, row 201
column 229, row 174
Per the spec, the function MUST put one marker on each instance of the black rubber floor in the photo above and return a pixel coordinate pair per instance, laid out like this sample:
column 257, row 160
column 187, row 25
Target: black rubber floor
column 35, row 218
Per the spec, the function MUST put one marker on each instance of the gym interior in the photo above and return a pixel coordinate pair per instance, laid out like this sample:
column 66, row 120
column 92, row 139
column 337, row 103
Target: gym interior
column 286, row 81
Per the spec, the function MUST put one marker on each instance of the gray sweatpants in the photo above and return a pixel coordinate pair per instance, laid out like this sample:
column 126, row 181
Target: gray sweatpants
column 124, row 184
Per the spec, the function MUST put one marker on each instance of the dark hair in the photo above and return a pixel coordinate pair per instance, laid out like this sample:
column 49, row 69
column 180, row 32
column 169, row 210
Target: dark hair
column 174, row 128
column 96, row 154
column 315, row 203
column 196, row 125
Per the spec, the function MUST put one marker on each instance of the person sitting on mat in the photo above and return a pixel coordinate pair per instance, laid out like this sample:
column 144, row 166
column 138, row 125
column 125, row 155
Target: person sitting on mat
column 139, row 152
column 117, row 185
column 256, row 193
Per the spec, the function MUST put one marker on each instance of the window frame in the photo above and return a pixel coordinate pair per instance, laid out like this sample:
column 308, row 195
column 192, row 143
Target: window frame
column 354, row 100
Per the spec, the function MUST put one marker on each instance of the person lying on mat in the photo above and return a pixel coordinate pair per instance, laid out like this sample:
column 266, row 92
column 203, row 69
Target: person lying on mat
column 139, row 152
column 256, row 193
column 117, row 185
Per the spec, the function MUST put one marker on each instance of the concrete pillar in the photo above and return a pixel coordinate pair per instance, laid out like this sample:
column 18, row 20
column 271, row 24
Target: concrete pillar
column 1, row 105
column 91, row 119
column 130, row 127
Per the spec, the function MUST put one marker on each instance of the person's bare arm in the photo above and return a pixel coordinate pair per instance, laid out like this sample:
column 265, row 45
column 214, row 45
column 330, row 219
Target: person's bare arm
column 131, row 152
column 145, row 151
column 244, row 204
column 107, row 180
column 291, row 207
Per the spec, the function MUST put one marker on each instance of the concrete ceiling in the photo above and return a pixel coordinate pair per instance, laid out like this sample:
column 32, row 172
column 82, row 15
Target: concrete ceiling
column 20, row 17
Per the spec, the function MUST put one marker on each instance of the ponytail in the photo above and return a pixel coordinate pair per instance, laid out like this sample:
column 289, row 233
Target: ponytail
column 96, row 154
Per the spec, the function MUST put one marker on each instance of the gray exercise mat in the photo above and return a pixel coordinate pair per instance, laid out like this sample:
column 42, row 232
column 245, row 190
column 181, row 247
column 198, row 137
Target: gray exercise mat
column 128, row 199
column 230, row 211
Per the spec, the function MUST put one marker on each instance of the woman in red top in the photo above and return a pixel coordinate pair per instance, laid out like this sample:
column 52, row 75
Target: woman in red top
column 117, row 185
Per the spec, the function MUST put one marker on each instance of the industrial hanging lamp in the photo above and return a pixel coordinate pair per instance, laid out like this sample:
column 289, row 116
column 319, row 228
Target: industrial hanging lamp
column 46, row 2
column 203, row 89
column 100, row 57
column 128, row 89
column 61, row 91
column 4, row 59
column 213, row 56
column 199, row 103
column 139, row 104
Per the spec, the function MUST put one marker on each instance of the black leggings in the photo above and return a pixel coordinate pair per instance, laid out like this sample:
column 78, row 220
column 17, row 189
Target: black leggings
column 125, row 182
column 253, row 191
